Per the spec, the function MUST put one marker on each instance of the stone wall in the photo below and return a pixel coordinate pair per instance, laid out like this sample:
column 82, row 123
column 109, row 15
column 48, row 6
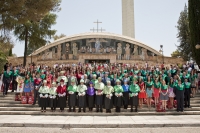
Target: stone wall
column 82, row 57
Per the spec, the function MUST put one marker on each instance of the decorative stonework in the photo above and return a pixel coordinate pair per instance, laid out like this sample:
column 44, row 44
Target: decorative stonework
column 127, row 50
column 119, row 51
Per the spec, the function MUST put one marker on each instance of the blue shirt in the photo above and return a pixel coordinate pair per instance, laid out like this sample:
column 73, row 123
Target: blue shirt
column 125, row 88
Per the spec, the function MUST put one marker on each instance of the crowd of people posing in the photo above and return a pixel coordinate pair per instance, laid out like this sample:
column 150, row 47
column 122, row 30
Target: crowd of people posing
column 103, row 86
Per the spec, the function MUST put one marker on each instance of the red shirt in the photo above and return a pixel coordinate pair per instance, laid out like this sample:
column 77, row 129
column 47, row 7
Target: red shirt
column 37, row 81
column 61, row 89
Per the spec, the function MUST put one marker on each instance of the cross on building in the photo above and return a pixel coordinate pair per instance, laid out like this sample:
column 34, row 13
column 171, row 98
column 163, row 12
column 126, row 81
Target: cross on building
column 97, row 22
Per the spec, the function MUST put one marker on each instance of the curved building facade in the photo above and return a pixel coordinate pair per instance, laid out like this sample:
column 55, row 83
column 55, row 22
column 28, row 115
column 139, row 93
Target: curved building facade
column 90, row 47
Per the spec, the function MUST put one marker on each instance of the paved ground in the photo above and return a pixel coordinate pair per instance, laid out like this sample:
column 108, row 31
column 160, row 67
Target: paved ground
column 86, row 130
column 99, row 121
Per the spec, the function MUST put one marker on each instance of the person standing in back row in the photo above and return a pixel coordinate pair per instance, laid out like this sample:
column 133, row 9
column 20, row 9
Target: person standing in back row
column 7, row 78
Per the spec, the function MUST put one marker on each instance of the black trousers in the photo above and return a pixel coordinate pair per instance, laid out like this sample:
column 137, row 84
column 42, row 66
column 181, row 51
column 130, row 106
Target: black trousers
column 187, row 97
column 43, row 108
column 99, row 107
column 6, row 86
column 35, row 95
column 118, row 109
column 70, row 107
column 132, row 108
column 53, row 108
column 14, row 84
column 61, row 108
column 180, row 99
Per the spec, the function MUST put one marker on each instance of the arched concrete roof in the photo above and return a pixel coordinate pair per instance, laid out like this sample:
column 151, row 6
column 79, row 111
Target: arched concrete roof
column 95, row 35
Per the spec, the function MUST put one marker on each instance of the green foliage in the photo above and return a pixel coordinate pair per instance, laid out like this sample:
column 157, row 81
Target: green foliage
column 10, row 52
column 184, row 48
column 30, row 20
column 176, row 54
column 194, row 26
column 56, row 37
column 5, row 46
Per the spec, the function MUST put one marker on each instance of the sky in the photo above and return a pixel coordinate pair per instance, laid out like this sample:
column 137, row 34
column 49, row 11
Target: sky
column 155, row 20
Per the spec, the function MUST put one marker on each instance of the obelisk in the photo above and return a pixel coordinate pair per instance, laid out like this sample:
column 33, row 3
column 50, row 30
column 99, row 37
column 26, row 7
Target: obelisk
column 128, row 24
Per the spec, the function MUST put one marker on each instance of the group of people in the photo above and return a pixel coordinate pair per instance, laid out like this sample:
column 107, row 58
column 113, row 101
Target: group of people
column 103, row 85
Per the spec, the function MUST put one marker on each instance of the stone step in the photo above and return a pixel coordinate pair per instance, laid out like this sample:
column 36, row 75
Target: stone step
column 65, row 113
column 87, row 110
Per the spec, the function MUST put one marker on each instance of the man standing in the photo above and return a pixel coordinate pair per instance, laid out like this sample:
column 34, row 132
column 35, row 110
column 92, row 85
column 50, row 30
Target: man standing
column 86, row 80
column 7, row 78
column 14, row 82
column 99, row 86
column 37, row 85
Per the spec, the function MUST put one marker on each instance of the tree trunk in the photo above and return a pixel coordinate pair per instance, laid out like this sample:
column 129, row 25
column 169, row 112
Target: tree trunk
column 25, row 48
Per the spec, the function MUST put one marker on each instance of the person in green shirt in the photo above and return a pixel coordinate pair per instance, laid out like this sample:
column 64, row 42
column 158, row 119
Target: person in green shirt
column 72, row 89
column 156, row 89
column 164, row 94
column 14, row 77
column 180, row 88
column 99, row 86
column 94, row 79
column 118, row 95
column 187, row 86
column 193, row 80
column 53, row 97
column 134, row 89
column 44, row 90
column 171, row 92
column 7, row 77
column 149, row 91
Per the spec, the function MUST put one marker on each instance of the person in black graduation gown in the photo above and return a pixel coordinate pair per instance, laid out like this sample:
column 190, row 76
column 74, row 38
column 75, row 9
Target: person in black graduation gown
column 61, row 91
column 180, row 88
column 90, row 96
column 188, row 92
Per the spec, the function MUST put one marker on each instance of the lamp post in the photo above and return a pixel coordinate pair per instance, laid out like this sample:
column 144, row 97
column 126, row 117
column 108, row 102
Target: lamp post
column 161, row 51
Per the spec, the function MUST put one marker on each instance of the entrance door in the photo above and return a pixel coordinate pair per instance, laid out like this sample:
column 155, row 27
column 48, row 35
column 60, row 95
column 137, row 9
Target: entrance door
column 97, row 61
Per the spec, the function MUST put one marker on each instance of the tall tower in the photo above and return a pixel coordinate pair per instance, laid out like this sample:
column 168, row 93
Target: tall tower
column 128, row 24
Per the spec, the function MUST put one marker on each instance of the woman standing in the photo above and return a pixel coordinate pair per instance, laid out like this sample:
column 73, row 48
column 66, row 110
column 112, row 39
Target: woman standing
column 180, row 96
column 28, row 85
column 134, row 90
column 44, row 90
column 53, row 97
column 149, row 85
column 20, row 85
column 61, row 91
column 118, row 95
column 142, row 93
column 90, row 95
column 193, row 79
column 163, row 94
column 171, row 91
column 72, row 89
column 156, row 90
column 81, row 95
column 125, row 94
column 108, row 90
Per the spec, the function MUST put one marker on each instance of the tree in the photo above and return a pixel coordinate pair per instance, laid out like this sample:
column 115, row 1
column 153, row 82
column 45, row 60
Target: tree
column 194, row 26
column 184, row 48
column 56, row 37
column 35, row 34
column 20, row 11
column 5, row 46
column 28, row 15
column 176, row 54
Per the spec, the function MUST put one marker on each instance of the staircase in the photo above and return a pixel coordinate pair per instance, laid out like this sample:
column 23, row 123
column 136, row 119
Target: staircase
column 10, row 107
